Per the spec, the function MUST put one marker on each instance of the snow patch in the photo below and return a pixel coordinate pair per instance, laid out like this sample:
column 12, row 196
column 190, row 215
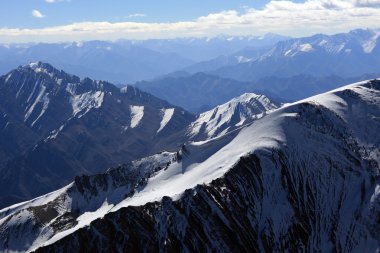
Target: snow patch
column 305, row 47
column 8, row 77
column 242, row 59
column 42, row 97
column 55, row 133
column 287, row 52
column 137, row 113
column 84, row 102
column 322, row 43
column 167, row 115
column 369, row 45
column 124, row 90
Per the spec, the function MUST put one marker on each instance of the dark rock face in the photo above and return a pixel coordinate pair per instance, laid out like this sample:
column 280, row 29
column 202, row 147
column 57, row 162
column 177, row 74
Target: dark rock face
column 54, row 126
column 239, row 213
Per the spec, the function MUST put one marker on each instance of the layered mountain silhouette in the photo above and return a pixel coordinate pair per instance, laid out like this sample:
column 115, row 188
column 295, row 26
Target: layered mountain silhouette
column 201, row 91
column 345, row 55
column 128, row 61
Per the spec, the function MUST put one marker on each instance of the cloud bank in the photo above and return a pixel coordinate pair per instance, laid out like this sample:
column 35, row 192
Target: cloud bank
column 279, row 16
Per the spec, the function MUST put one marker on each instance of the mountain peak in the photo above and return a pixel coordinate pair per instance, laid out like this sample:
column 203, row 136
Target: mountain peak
column 231, row 115
column 246, row 97
column 42, row 68
column 362, row 32
column 39, row 66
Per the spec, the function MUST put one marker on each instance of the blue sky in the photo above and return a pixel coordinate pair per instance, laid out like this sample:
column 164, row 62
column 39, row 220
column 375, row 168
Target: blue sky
column 18, row 13
column 59, row 20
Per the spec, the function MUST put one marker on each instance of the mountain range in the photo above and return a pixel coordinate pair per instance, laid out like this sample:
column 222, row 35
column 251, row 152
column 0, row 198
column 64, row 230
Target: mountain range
column 54, row 126
column 300, row 177
column 116, row 62
column 247, row 58
column 230, row 144
column 127, row 61
column 200, row 91
column 290, row 70
column 345, row 55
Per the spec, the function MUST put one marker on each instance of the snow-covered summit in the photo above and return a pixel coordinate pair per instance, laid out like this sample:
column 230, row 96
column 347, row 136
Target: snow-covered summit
column 345, row 55
column 231, row 115
column 356, row 41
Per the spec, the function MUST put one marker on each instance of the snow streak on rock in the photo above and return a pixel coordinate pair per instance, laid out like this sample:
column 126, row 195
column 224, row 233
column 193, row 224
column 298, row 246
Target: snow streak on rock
column 137, row 113
column 167, row 115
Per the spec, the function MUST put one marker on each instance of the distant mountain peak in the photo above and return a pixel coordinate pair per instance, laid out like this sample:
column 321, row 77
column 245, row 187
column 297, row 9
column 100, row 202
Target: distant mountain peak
column 231, row 115
column 39, row 66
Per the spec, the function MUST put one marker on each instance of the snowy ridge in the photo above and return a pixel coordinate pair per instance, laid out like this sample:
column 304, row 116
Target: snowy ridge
column 82, row 102
column 86, row 197
column 46, row 87
column 39, row 67
column 232, row 114
column 335, row 44
column 167, row 115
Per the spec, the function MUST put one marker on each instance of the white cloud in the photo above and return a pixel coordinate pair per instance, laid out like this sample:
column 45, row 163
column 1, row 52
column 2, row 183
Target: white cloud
column 136, row 15
column 37, row 14
column 280, row 16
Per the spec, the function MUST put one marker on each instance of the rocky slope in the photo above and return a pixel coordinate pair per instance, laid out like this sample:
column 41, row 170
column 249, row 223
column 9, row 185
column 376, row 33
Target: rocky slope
column 231, row 116
column 303, row 178
column 54, row 126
